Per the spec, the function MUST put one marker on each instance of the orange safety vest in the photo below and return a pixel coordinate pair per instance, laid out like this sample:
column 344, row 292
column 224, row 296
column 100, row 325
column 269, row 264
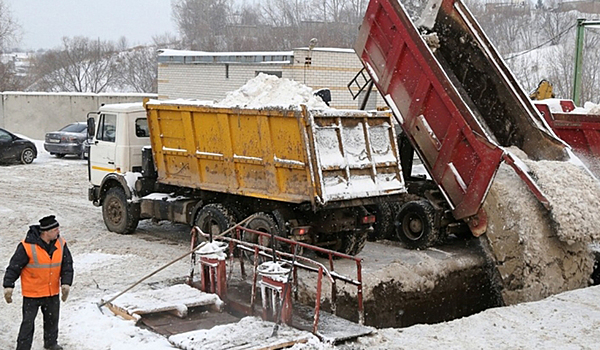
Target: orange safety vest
column 41, row 276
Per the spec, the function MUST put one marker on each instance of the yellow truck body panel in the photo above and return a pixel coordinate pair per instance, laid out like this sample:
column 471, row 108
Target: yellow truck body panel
column 290, row 155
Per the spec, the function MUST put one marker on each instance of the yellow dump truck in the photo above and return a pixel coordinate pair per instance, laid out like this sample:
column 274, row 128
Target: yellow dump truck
column 306, row 174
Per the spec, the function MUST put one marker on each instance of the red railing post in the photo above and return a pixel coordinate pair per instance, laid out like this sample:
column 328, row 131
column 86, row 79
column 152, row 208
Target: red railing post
column 333, row 288
column 318, row 301
column 361, row 311
column 253, row 295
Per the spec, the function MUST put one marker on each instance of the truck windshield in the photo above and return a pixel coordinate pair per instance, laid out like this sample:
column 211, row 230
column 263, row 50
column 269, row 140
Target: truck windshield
column 107, row 127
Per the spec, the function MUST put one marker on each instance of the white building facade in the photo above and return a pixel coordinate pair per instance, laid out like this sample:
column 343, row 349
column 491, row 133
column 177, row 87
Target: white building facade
column 210, row 75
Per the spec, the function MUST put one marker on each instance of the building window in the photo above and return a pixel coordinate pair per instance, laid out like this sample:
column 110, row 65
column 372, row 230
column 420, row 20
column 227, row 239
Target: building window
column 275, row 73
column 227, row 71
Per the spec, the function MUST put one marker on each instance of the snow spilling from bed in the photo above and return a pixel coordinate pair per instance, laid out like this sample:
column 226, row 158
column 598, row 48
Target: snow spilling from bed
column 270, row 91
column 537, row 252
column 574, row 196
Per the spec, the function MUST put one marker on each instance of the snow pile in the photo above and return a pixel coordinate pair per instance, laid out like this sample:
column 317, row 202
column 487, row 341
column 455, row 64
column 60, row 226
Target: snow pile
column 531, row 260
column 213, row 250
column 592, row 108
column 240, row 335
column 266, row 90
column 565, row 321
column 574, row 196
column 177, row 297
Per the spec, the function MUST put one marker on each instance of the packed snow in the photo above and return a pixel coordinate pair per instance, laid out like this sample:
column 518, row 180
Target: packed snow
column 266, row 90
column 107, row 263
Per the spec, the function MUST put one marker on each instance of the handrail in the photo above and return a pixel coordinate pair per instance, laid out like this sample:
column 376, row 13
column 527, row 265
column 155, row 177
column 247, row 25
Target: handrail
column 318, row 267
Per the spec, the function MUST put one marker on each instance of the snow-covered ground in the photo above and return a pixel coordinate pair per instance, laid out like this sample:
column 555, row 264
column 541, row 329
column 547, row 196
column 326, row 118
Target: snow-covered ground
column 106, row 263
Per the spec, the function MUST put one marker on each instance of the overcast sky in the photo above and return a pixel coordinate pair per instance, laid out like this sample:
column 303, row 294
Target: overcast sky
column 45, row 22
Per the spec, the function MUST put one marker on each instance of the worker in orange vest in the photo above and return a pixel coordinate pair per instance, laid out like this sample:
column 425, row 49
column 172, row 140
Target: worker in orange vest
column 45, row 266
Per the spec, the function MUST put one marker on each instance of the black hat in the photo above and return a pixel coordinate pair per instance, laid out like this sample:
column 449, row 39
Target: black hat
column 48, row 223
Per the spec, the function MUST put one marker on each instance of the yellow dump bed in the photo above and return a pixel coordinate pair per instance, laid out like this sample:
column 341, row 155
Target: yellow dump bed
column 291, row 155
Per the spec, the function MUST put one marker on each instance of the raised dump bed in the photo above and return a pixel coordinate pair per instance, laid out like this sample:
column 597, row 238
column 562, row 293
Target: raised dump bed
column 464, row 113
column 454, row 98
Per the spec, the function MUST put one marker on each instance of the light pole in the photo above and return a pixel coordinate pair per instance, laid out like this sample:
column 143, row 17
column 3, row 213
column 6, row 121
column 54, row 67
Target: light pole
column 581, row 24
column 308, row 59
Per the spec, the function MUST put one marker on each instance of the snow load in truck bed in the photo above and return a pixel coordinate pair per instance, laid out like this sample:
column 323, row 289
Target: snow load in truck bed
column 284, row 148
column 267, row 91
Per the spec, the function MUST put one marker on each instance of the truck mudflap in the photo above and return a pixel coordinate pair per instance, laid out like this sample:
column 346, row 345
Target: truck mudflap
column 458, row 126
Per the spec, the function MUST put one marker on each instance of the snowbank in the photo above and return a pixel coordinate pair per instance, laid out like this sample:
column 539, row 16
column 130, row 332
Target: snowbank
column 270, row 91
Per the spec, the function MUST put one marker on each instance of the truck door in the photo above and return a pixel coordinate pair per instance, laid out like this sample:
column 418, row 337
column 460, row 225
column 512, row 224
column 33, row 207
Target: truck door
column 103, row 153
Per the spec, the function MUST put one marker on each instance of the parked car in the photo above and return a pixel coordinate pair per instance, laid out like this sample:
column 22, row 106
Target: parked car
column 69, row 140
column 14, row 149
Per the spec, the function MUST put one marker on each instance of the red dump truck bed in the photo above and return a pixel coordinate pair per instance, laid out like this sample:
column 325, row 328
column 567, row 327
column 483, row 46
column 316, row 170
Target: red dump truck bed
column 579, row 129
column 457, row 102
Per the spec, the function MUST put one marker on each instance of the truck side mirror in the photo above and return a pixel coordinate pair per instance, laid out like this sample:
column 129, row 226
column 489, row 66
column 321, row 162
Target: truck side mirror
column 91, row 127
column 324, row 94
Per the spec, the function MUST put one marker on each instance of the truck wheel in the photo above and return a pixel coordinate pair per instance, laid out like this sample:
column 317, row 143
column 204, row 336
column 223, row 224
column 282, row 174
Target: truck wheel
column 27, row 156
column 384, row 223
column 262, row 222
column 415, row 225
column 351, row 243
column 282, row 231
column 118, row 215
column 214, row 218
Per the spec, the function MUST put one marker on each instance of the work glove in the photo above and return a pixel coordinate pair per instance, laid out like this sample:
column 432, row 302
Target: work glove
column 8, row 295
column 64, row 291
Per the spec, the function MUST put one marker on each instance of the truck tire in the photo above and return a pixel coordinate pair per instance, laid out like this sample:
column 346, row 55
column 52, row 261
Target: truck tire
column 360, row 240
column 214, row 218
column 118, row 215
column 262, row 222
column 351, row 243
column 415, row 225
column 384, row 221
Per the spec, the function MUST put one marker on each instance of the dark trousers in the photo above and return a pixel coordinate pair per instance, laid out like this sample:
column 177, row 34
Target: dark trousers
column 50, row 309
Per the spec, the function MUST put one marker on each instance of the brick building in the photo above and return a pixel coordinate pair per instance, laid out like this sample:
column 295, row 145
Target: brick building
column 210, row 75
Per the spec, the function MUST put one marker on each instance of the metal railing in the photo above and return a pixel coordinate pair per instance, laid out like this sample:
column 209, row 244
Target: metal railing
column 296, row 261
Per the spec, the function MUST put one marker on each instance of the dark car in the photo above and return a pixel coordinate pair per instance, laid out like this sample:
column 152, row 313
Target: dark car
column 15, row 149
column 69, row 140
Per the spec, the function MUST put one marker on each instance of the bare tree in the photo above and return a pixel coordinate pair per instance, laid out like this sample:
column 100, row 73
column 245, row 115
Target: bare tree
column 10, row 30
column 355, row 10
column 202, row 23
column 287, row 13
column 9, row 35
column 81, row 65
column 167, row 41
column 9, row 80
column 138, row 69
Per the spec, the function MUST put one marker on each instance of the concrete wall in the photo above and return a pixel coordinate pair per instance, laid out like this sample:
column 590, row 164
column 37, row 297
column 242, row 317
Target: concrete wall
column 34, row 114
column 328, row 68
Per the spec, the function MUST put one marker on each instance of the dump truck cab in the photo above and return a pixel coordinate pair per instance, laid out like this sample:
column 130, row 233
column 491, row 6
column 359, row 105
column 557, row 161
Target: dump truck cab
column 117, row 134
